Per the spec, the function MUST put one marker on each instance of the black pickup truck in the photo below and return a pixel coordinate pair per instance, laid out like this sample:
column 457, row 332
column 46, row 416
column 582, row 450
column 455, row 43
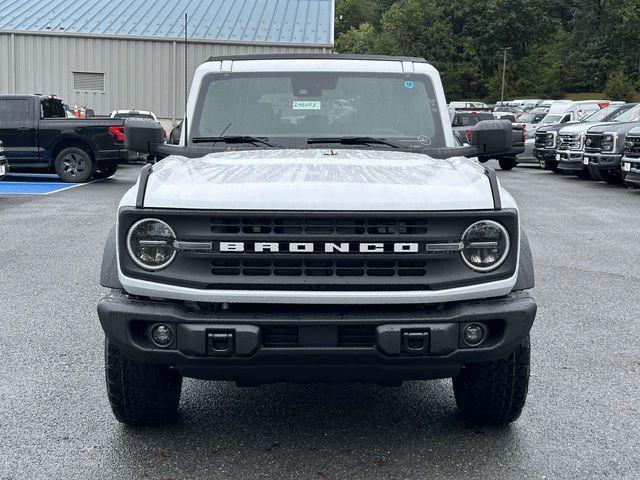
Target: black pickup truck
column 463, row 122
column 37, row 136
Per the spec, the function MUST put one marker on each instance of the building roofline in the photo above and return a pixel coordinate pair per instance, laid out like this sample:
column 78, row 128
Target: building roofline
column 164, row 39
column 319, row 56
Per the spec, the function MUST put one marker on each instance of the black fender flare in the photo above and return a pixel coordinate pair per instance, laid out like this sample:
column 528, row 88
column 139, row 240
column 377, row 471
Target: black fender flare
column 109, row 270
column 526, row 277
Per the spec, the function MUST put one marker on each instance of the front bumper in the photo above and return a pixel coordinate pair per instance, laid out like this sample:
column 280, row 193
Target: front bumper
column 570, row 160
column 603, row 161
column 544, row 153
column 270, row 343
column 631, row 171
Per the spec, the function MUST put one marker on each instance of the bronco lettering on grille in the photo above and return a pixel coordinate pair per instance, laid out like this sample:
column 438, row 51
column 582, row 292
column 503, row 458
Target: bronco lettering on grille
column 329, row 247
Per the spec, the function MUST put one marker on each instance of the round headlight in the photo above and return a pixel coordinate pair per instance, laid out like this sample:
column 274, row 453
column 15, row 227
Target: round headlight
column 486, row 245
column 150, row 244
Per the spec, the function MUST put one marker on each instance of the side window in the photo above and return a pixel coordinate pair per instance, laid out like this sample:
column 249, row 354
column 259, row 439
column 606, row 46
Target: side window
column 566, row 118
column 14, row 110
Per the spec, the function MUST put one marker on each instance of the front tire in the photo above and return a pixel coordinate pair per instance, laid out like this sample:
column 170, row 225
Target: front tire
column 507, row 163
column 74, row 165
column 493, row 393
column 141, row 393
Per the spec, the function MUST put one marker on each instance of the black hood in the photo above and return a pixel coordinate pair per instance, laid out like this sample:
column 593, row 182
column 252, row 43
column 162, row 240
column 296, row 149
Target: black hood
column 620, row 128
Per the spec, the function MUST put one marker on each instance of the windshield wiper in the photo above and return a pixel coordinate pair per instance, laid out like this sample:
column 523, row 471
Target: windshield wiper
column 352, row 141
column 234, row 139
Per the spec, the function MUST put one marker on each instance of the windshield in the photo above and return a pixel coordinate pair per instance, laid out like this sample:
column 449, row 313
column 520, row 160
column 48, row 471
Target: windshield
column 302, row 105
column 133, row 115
column 631, row 115
column 552, row 118
column 531, row 117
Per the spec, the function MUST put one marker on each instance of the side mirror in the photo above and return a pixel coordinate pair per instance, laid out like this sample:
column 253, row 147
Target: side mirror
column 141, row 133
column 492, row 137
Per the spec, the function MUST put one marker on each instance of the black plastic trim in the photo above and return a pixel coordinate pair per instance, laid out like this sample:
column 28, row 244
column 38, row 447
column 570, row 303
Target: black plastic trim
column 146, row 171
column 325, row 56
column 495, row 189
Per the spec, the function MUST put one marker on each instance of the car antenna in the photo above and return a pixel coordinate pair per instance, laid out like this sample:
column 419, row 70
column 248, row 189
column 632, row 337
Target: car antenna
column 186, row 95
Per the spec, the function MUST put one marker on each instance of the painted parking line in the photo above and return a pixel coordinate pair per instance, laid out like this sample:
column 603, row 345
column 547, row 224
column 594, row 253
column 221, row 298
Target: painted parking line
column 34, row 184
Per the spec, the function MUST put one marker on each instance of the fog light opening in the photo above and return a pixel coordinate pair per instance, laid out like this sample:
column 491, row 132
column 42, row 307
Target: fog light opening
column 473, row 334
column 161, row 335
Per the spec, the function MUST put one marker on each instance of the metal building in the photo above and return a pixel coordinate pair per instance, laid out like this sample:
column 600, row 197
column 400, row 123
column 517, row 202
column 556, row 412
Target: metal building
column 130, row 54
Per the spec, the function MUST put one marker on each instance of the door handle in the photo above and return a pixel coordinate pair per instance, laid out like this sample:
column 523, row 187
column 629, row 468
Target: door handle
column 23, row 129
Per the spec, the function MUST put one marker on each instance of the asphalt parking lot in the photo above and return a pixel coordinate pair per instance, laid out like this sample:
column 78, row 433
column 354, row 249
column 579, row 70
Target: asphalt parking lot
column 582, row 418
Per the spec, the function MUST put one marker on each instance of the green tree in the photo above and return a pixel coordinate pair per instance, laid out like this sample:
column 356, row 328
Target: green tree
column 353, row 13
column 619, row 87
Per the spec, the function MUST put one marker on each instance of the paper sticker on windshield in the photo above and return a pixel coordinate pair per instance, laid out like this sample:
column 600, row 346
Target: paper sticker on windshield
column 307, row 105
column 408, row 84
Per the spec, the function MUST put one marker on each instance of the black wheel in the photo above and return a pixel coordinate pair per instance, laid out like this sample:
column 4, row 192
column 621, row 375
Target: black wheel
column 543, row 163
column 612, row 176
column 105, row 171
column 494, row 393
column 141, row 393
column 74, row 165
column 507, row 163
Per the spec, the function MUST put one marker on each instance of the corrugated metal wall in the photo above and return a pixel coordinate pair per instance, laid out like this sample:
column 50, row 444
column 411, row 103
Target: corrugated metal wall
column 142, row 74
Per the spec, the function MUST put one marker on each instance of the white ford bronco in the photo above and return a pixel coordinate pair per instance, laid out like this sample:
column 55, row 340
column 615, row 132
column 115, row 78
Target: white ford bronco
column 317, row 223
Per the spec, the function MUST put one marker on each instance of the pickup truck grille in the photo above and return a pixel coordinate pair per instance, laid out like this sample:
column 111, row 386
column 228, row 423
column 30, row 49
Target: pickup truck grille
column 570, row 142
column 632, row 146
column 540, row 138
column 593, row 143
column 263, row 256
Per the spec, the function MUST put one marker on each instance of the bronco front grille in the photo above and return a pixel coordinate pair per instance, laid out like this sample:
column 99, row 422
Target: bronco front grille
column 333, row 253
column 319, row 268
column 332, row 227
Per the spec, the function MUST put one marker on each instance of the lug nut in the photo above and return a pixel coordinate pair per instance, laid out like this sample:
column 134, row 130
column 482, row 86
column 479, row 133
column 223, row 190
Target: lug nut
column 161, row 335
column 473, row 334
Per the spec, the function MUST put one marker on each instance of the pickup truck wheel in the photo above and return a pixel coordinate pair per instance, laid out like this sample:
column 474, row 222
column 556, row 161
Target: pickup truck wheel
column 74, row 165
column 141, row 393
column 105, row 171
column 507, row 163
column 493, row 393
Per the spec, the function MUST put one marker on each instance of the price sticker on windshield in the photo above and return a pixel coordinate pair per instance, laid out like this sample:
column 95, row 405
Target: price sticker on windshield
column 307, row 105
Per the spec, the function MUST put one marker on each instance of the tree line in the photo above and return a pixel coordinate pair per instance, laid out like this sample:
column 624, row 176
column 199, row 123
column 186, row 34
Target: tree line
column 556, row 46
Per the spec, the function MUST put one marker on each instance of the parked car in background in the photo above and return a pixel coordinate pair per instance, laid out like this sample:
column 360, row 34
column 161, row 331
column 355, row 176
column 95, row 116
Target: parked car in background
column 531, row 120
column 571, row 137
column 516, row 111
column 176, row 132
column 546, row 138
column 462, row 123
column 467, row 105
column 604, row 146
column 124, row 114
column 37, row 136
column 565, row 112
column 631, row 159
column 133, row 114
column 3, row 162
